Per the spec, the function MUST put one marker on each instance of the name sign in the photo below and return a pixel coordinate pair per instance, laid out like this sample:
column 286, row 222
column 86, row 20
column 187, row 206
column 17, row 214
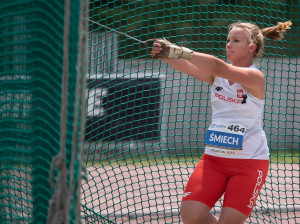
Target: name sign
column 225, row 138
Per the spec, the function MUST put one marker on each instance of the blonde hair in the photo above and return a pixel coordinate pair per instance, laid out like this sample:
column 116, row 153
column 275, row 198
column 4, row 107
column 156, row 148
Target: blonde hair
column 256, row 35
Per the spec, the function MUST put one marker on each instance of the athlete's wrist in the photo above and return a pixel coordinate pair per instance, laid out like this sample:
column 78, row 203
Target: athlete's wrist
column 187, row 53
column 173, row 51
column 177, row 52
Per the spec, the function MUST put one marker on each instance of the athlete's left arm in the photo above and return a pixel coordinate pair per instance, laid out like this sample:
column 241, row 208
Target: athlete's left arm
column 251, row 79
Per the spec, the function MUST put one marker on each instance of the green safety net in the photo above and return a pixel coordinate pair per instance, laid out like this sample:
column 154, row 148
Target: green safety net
column 33, row 43
column 146, row 123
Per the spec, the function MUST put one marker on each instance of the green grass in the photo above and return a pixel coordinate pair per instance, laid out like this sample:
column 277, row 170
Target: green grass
column 149, row 159
column 284, row 156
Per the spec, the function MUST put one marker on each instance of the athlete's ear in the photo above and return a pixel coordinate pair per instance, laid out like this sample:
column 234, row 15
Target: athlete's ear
column 252, row 48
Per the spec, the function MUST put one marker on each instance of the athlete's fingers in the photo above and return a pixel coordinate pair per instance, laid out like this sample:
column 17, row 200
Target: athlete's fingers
column 156, row 49
column 154, row 53
column 156, row 44
column 167, row 40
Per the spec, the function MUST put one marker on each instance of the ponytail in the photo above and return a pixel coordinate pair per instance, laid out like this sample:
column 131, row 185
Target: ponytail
column 276, row 32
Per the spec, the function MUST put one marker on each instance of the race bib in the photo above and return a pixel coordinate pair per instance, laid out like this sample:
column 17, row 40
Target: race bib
column 225, row 138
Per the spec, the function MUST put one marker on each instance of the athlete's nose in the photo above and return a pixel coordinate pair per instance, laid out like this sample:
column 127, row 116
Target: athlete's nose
column 228, row 45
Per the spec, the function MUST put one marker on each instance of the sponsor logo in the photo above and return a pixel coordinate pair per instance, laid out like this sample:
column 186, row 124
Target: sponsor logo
column 244, row 99
column 186, row 194
column 219, row 88
column 217, row 126
column 256, row 189
column 239, row 93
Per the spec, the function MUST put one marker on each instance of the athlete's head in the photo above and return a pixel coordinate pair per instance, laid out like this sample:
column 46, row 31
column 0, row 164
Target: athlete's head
column 255, row 36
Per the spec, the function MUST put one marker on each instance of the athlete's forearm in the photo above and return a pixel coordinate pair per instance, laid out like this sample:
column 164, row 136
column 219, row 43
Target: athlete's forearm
column 208, row 63
column 180, row 65
column 187, row 67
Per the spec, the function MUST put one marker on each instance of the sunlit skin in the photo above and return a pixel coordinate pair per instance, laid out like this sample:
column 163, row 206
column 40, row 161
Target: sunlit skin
column 239, row 51
column 244, row 43
column 206, row 68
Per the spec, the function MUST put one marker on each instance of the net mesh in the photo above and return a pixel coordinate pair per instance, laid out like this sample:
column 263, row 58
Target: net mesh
column 31, row 65
column 146, row 122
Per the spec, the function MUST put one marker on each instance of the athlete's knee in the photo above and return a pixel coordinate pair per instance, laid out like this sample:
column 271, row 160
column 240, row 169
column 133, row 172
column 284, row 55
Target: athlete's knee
column 193, row 212
column 231, row 216
column 195, row 218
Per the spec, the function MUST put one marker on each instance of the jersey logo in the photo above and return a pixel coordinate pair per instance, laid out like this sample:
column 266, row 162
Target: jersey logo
column 228, row 99
column 219, row 88
column 244, row 98
column 256, row 189
column 240, row 93
column 186, row 194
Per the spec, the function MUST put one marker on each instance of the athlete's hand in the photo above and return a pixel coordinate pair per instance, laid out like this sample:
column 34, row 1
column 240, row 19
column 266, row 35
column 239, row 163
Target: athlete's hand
column 165, row 49
column 159, row 49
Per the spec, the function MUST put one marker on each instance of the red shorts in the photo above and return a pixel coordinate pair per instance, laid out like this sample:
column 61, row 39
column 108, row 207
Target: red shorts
column 240, row 179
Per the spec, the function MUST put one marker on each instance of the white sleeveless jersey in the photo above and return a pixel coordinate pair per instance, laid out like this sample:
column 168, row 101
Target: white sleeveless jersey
column 236, row 122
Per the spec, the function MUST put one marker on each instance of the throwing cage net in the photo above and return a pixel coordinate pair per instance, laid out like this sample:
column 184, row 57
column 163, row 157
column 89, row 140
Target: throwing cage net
column 40, row 110
column 145, row 123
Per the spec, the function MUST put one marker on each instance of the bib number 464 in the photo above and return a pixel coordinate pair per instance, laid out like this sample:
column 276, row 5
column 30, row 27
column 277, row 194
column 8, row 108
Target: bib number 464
column 236, row 128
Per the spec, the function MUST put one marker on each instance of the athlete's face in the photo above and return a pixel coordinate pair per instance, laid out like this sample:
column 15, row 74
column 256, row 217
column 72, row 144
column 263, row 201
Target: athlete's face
column 238, row 47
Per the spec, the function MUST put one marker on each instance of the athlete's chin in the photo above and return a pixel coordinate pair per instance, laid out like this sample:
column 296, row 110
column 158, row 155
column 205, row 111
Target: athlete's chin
column 229, row 59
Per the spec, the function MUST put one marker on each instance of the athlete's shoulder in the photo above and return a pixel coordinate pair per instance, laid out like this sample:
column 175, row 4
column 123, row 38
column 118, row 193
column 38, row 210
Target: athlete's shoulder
column 254, row 67
column 218, row 81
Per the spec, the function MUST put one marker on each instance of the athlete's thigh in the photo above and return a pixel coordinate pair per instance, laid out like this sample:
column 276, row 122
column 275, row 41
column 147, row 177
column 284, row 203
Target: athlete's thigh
column 207, row 182
column 243, row 188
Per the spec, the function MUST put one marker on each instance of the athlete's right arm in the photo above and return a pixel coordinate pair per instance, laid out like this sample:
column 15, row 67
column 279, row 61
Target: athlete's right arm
column 184, row 66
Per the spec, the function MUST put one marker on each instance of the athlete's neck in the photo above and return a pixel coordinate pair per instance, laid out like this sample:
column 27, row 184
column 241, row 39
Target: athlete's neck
column 244, row 65
column 243, row 62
